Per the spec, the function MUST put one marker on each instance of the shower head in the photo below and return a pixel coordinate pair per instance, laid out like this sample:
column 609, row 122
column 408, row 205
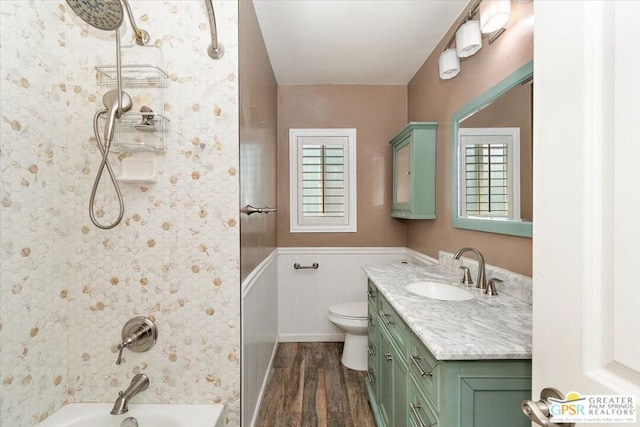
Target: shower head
column 108, row 15
column 102, row 14
column 112, row 104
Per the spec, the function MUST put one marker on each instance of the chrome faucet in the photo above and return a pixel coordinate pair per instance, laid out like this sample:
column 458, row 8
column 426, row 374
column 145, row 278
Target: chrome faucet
column 139, row 383
column 481, row 281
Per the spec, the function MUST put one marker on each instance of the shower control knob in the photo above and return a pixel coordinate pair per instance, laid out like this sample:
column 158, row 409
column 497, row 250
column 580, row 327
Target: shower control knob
column 138, row 335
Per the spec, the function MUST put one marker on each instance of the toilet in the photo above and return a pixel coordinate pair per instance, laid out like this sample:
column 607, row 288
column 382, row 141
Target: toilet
column 352, row 318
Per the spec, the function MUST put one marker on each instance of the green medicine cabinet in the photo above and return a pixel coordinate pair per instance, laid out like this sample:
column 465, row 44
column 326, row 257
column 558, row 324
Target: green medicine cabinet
column 414, row 171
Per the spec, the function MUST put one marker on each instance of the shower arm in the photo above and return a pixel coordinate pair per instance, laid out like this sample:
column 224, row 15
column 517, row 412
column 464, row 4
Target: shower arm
column 215, row 49
column 141, row 36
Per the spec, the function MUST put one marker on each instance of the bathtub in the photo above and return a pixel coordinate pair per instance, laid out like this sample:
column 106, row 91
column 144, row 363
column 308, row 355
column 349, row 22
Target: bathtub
column 146, row 415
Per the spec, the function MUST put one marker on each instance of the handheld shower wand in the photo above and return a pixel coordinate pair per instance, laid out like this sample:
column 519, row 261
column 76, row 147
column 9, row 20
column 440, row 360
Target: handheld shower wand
column 113, row 109
column 116, row 103
column 108, row 15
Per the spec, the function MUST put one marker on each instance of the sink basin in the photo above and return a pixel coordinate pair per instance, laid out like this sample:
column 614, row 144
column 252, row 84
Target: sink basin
column 438, row 290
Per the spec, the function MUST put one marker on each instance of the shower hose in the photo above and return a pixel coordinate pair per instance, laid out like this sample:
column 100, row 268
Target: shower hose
column 104, row 150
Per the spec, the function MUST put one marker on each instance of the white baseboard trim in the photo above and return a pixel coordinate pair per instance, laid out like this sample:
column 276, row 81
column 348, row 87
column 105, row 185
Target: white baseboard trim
column 310, row 337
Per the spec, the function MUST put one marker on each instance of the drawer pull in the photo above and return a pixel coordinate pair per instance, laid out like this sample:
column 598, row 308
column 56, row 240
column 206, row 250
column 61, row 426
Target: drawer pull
column 386, row 319
column 371, row 350
column 414, row 413
column 371, row 376
column 414, row 360
column 371, row 295
column 388, row 357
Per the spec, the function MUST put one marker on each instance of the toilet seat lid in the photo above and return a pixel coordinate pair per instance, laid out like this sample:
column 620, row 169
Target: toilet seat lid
column 350, row 310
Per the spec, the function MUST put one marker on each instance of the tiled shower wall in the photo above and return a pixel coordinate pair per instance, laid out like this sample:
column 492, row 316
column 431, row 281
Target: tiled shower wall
column 66, row 286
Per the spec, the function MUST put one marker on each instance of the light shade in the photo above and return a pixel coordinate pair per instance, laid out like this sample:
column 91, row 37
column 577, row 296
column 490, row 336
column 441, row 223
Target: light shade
column 494, row 14
column 448, row 64
column 468, row 39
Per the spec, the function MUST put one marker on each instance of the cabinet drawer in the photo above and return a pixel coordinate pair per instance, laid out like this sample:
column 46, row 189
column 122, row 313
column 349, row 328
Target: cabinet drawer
column 396, row 326
column 421, row 414
column 372, row 358
column 372, row 295
column 372, row 320
column 424, row 368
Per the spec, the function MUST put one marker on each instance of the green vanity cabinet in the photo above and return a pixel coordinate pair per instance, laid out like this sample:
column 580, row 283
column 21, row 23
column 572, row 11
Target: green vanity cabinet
column 412, row 388
column 414, row 171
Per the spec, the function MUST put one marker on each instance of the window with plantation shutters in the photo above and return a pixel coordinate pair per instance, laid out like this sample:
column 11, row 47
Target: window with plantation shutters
column 489, row 173
column 323, row 180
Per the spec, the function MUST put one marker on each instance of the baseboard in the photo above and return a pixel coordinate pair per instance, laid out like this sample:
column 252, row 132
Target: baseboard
column 310, row 337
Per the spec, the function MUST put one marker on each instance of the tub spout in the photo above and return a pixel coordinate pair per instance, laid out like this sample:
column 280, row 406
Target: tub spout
column 139, row 383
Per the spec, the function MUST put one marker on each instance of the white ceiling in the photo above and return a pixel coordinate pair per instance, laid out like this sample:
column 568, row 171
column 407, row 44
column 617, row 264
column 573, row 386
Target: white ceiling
column 380, row 42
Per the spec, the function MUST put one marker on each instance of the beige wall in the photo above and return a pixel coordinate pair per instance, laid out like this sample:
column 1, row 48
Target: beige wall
column 377, row 113
column 258, row 111
column 433, row 99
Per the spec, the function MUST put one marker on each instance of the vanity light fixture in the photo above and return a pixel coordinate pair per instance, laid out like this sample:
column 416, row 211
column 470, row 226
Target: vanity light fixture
column 449, row 64
column 494, row 15
column 468, row 39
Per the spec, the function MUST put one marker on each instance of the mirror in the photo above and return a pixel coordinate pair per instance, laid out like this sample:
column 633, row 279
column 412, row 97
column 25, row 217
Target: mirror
column 492, row 159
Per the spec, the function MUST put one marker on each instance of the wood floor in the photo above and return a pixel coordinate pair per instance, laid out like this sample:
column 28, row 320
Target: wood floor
column 309, row 387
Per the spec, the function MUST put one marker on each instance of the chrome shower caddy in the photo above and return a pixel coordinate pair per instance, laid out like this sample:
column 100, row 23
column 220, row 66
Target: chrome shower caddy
column 144, row 78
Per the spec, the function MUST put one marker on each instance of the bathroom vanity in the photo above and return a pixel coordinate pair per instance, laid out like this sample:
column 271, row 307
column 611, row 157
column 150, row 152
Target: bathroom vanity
column 445, row 363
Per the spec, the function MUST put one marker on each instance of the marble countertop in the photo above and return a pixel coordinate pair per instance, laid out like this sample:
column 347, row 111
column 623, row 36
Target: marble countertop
column 486, row 327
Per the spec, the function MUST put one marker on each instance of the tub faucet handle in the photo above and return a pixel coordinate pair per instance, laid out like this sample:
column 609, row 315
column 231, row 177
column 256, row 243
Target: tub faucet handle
column 119, row 359
column 138, row 334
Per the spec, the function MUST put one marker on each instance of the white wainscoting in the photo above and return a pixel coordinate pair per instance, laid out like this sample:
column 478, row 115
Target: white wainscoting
column 280, row 303
column 304, row 296
column 259, row 333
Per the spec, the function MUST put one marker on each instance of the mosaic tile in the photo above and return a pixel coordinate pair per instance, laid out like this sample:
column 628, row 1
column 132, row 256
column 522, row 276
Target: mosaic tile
column 67, row 287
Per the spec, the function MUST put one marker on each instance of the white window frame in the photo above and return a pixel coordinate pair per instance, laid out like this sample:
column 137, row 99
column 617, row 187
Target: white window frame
column 507, row 135
column 300, row 224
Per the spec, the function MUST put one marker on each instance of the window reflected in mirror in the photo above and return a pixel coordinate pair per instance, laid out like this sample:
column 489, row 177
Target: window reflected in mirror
column 493, row 158
column 490, row 173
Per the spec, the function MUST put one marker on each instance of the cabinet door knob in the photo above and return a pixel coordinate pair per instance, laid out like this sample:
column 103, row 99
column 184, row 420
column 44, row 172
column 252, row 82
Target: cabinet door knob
column 388, row 357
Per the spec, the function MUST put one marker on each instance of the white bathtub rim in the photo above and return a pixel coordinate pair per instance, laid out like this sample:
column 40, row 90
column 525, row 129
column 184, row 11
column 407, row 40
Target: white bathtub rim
column 73, row 412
